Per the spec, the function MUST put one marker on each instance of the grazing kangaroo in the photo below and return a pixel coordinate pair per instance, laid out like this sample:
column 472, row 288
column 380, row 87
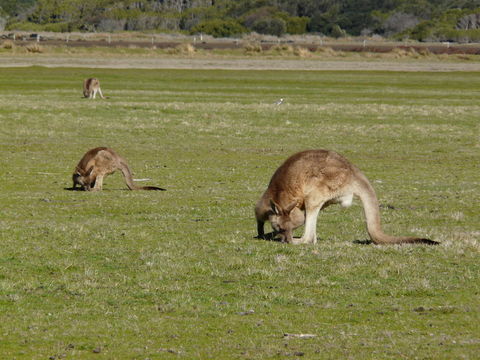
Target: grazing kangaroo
column 99, row 162
column 90, row 88
column 310, row 181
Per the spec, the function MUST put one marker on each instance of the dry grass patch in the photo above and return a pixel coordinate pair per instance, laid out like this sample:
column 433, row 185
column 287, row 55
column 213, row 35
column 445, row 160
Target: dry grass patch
column 252, row 48
column 8, row 45
column 408, row 52
column 302, row 52
column 288, row 50
column 282, row 49
column 326, row 51
column 182, row 49
column 34, row 48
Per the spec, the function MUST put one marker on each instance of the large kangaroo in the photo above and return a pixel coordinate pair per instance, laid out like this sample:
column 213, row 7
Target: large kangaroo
column 99, row 162
column 310, row 181
column 90, row 88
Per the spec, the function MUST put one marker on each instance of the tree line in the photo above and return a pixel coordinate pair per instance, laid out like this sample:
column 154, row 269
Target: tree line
column 424, row 20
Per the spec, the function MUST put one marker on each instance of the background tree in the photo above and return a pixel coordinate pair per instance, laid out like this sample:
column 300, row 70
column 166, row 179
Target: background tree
column 419, row 19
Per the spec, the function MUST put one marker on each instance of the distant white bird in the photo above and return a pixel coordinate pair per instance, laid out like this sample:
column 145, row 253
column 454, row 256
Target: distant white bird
column 279, row 102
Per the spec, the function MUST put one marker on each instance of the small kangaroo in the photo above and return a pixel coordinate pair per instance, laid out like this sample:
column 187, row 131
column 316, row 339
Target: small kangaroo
column 99, row 162
column 90, row 88
column 308, row 182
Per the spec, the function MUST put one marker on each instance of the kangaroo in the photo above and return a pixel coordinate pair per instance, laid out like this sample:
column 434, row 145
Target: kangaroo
column 99, row 162
column 90, row 88
column 308, row 182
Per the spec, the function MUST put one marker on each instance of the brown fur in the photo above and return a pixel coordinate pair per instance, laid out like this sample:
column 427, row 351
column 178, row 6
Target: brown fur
column 310, row 181
column 90, row 88
column 98, row 163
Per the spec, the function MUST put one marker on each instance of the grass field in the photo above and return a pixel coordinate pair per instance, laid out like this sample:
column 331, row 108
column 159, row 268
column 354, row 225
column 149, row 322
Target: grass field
column 177, row 274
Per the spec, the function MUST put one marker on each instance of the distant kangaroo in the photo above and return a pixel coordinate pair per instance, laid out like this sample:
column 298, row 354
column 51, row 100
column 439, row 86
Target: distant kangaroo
column 310, row 181
column 90, row 88
column 99, row 162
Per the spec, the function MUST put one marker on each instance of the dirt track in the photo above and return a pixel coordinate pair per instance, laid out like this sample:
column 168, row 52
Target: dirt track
column 173, row 62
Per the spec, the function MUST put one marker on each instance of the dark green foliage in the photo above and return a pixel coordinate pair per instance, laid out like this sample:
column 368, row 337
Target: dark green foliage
column 219, row 28
column 421, row 31
column 275, row 17
column 297, row 25
column 446, row 27
column 24, row 26
column 337, row 31
column 270, row 26
column 14, row 7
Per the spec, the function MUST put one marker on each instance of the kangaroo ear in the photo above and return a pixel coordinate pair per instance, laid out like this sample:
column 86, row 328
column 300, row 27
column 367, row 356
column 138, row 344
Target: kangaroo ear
column 275, row 207
column 78, row 171
column 290, row 207
column 89, row 171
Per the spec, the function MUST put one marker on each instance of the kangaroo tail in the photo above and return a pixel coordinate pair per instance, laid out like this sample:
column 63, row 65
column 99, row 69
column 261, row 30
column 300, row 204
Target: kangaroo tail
column 365, row 191
column 127, row 174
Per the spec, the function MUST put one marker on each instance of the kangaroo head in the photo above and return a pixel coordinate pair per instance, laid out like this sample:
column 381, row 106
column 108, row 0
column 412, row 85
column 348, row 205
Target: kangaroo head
column 284, row 220
column 83, row 178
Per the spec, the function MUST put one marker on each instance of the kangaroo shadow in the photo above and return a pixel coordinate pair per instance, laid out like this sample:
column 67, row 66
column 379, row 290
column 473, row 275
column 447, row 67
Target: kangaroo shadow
column 271, row 236
column 363, row 242
column 83, row 190
column 73, row 189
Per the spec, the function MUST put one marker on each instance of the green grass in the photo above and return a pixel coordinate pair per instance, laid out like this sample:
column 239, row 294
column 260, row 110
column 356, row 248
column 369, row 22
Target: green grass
column 177, row 274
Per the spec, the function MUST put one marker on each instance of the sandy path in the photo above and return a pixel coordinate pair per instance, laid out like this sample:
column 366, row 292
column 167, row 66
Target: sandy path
column 233, row 64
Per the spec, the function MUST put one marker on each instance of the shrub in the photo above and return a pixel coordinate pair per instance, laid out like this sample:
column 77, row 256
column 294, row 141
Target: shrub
column 422, row 31
column 111, row 25
column 337, row 31
column 295, row 24
column 398, row 22
column 29, row 26
column 452, row 25
column 270, row 26
column 57, row 27
column 474, row 35
column 24, row 26
column 219, row 28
